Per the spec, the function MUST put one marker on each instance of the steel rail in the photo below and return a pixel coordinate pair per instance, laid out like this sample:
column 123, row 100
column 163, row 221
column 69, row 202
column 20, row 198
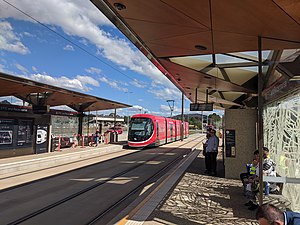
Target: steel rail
column 78, row 193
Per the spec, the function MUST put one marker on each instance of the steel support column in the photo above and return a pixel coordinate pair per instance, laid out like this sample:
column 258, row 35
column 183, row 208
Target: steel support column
column 80, row 123
column 182, row 115
column 260, row 120
column 115, row 117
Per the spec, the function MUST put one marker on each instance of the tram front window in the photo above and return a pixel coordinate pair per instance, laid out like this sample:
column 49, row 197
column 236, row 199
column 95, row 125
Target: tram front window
column 140, row 129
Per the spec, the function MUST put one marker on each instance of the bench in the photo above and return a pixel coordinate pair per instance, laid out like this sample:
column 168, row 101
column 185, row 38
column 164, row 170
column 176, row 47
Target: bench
column 280, row 181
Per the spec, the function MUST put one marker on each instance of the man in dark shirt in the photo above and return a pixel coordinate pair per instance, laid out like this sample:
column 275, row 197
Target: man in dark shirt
column 268, row 214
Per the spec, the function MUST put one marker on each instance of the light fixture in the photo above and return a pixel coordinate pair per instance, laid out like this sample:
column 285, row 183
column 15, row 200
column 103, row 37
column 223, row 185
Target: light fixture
column 200, row 47
column 119, row 6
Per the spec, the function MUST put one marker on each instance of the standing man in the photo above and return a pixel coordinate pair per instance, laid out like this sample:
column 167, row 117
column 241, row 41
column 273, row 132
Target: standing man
column 97, row 136
column 268, row 214
column 212, row 152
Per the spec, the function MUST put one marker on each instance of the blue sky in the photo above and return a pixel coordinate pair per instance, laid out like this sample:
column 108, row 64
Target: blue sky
column 83, row 52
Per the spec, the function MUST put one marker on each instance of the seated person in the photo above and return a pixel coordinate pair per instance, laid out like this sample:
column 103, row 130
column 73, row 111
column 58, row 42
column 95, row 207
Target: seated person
column 269, row 169
column 244, row 176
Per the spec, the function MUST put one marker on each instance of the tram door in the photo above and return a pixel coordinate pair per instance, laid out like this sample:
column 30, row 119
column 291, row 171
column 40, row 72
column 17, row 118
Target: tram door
column 157, row 134
column 172, row 130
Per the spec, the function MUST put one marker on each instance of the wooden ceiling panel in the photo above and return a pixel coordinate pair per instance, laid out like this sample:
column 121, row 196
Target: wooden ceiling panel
column 155, row 11
column 291, row 7
column 181, row 45
column 254, row 18
column 9, row 88
column 195, row 9
column 157, row 31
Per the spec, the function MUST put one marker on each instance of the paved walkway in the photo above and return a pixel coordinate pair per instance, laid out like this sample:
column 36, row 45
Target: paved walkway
column 202, row 199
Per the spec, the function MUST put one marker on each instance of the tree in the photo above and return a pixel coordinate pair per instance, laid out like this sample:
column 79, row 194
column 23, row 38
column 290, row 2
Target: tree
column 214, row 118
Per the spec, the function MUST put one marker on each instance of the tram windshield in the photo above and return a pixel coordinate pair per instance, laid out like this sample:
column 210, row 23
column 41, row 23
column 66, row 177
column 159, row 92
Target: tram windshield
column 140, row 129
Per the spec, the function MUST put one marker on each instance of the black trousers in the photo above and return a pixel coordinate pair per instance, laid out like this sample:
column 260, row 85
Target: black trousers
column 244, row 176
column 211, row 161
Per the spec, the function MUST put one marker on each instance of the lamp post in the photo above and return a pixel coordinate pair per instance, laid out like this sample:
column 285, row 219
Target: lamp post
column 171, row 105
column 128, row 92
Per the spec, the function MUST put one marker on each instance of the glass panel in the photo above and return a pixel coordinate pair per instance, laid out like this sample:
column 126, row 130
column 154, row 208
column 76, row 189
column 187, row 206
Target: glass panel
column 281, row 118
column 223, row 59
column 64, row 125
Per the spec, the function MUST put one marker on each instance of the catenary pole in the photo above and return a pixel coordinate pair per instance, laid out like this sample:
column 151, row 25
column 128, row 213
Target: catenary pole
column 260, row 120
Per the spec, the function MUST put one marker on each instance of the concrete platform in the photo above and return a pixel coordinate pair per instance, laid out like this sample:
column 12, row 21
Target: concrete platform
column 196, row 198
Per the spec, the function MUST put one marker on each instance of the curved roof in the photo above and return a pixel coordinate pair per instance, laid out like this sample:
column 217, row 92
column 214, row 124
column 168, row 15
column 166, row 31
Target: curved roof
column 37, row 93
column 212, row 44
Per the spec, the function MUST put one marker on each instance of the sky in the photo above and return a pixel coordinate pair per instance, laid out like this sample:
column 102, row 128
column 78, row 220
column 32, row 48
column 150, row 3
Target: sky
column 71, row 44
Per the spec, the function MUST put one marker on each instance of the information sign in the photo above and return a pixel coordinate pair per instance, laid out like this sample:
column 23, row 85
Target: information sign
column 230, row 143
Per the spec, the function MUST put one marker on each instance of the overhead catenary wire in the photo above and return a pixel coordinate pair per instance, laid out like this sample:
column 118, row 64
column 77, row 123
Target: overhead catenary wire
column 68, row 40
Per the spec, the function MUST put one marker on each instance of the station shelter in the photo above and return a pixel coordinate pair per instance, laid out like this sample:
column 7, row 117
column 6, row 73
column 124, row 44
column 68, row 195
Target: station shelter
column 240, row 56
column 28, row 129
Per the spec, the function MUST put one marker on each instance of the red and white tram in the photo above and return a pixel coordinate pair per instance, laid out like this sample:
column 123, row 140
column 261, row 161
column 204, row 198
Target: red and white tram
column 148, row 130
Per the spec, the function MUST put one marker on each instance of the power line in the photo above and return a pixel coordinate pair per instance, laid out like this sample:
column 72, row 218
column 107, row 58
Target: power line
column 70, row 41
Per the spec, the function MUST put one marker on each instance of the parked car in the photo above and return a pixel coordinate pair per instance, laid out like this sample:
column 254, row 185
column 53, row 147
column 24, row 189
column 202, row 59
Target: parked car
column 119, row 130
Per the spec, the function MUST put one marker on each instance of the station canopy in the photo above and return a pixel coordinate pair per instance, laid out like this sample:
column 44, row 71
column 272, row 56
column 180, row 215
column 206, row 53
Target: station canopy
column 211, row 46
column 40, row 94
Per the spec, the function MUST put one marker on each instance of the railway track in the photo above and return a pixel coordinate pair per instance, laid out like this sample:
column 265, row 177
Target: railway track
column 91, row 188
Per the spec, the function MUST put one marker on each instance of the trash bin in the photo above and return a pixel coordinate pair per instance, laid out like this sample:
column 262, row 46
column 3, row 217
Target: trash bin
column 53, row 143
column 111, row 137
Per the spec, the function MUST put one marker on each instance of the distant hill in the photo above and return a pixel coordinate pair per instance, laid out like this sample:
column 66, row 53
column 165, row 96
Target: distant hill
column 195, row 116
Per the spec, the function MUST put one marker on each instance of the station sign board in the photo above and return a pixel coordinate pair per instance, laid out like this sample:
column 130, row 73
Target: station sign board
column 230, row 143
column 201, row 107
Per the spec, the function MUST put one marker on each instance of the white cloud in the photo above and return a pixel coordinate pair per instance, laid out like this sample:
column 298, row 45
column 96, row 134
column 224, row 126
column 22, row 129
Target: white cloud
column 2, row 68
column 21, row 68
column 88, row 80
column 34, row 69
column 137, row 109
column 177, row 109
column 68, row 48
column 27, row 34
column 138, row 84
column 93, row 70
column 84, row 42
column 113, row 84
column 82, row 19
column 80, row 83
column 9, row 40
column 166, row 93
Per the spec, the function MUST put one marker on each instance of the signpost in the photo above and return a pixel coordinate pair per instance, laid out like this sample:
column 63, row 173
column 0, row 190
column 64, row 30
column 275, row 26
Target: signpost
column 201, row 107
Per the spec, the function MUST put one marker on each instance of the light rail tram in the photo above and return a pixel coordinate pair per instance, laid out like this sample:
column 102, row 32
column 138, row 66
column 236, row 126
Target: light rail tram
column 146, row 130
